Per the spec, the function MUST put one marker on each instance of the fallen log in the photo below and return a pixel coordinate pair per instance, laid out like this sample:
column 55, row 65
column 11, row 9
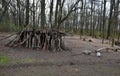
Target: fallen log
column 98, row 51
column 22, row 42
column 7, row 37
column 107, row 49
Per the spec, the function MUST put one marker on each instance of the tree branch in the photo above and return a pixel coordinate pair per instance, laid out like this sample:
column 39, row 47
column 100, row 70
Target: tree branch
column 71, row 10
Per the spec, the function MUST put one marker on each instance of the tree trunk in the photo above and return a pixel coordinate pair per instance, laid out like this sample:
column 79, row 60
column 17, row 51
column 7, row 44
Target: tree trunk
column 43, row 19
column 19, row 13
column 27, row 12
column 94, row 21
column 51, row 12
column 104, row 22
column 81, row 20
column 33, row 13
column 56, row 14
column 115, row 21
column 91, row 23
column 110, row 19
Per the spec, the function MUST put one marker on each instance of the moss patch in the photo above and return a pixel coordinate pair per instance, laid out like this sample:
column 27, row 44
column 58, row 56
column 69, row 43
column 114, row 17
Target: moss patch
column 3, row 59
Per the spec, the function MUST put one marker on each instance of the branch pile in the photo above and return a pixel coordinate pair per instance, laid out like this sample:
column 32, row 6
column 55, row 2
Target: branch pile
column 43, row 39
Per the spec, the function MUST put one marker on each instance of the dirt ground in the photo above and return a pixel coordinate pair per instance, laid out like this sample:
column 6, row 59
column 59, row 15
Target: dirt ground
column 29, row 62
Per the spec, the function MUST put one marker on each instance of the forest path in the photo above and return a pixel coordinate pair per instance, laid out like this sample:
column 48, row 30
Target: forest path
column 28, row 62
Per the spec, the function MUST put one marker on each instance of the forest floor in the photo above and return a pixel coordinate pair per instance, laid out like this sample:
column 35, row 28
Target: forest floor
column 29, row 62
